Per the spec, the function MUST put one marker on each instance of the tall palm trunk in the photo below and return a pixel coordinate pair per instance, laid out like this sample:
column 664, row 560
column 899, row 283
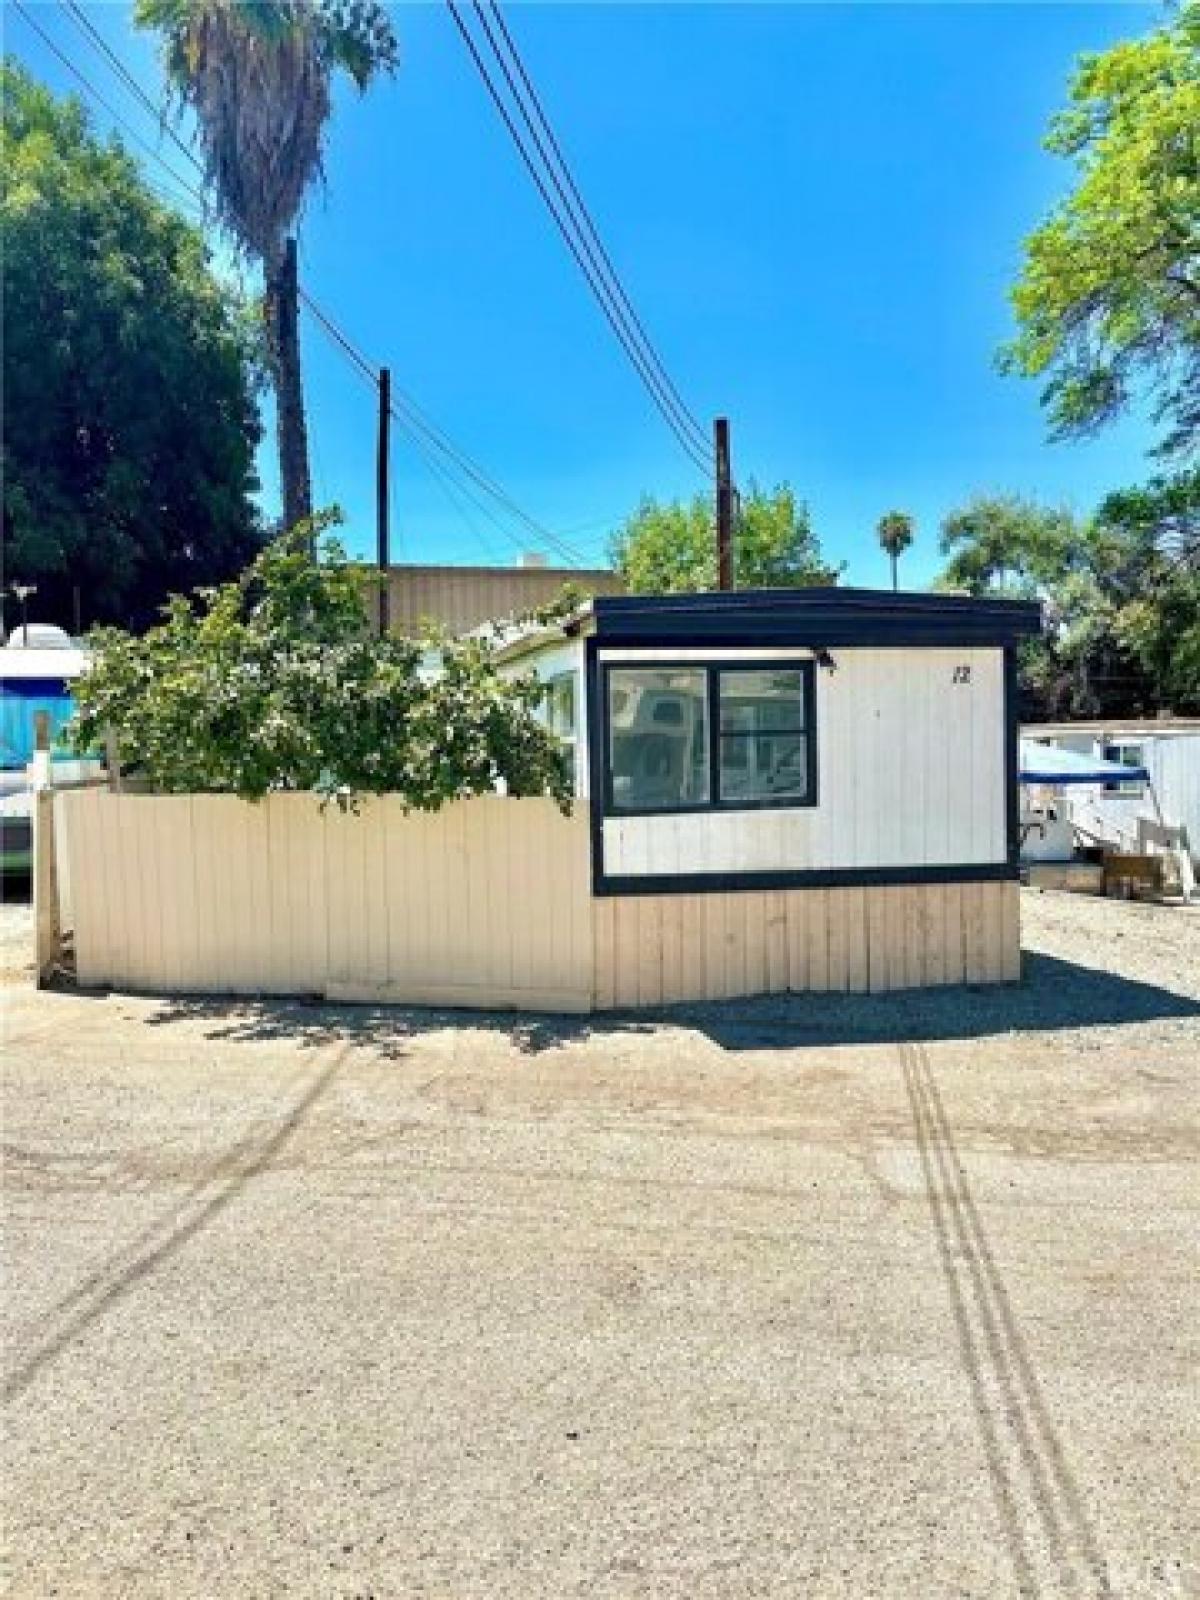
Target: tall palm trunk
column 283, row 337
column 895, row 577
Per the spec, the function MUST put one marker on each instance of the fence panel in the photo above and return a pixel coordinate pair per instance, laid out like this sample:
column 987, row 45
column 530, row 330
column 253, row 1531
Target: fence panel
column 486, row 903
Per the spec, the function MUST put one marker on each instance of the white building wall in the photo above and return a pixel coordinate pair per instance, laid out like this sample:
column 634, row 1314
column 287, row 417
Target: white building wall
column 911, row 772
column 550, row 661
column 1174, row 766
column 1173, row 762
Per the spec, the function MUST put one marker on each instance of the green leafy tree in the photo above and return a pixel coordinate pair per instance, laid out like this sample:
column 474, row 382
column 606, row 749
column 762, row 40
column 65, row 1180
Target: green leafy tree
column 1007, row 544
column 1108, row 302
column 1149, row 539
column 896, row 532
column 130, row 422
column 671, row 548
column 275, row 682
column 259, row 78
column 1120, row 593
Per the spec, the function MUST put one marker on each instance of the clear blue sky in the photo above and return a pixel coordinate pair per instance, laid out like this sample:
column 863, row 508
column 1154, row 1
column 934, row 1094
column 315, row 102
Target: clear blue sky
column 817, row 210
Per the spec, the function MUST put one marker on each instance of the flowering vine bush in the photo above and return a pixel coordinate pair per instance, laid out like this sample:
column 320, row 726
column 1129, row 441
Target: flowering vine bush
column 274, row 682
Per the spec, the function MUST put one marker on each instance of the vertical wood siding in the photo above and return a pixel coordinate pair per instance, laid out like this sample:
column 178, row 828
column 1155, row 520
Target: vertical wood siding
column 911, row 772
column 803, row 940
column 486, row 903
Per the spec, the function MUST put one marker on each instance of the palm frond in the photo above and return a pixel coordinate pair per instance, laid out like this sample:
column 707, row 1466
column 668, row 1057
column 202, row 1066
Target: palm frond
column 256, row 73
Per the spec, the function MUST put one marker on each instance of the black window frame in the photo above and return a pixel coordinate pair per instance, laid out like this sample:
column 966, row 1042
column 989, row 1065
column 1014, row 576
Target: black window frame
column 713, row 668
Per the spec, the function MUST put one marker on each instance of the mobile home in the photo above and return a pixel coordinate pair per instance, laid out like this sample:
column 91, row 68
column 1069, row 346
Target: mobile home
column 831, row 740
column 776, row 791
column 1166, row 750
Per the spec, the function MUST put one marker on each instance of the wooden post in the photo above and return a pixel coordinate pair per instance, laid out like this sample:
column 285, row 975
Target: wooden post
column 47, row 926
column 46, row 923
column 724, row 505
column 382, row 508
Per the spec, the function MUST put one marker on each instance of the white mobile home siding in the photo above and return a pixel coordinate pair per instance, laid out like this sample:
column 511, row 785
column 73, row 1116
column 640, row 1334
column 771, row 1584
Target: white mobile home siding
column 1171, row 757
column 911, row 773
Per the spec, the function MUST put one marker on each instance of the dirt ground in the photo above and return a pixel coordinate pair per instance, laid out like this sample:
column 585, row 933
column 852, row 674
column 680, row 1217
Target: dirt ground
column 828, row 1296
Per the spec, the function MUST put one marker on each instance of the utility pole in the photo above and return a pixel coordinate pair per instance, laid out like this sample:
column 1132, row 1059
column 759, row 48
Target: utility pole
column 724, row 505
column 382, row 498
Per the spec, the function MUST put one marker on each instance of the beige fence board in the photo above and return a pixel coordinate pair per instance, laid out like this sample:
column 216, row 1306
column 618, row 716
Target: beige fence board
column 137, row 848
column 857, row 976
column 975, row 953
column 488, row 865
column 817, row 922
column 487, row 903
column 172, row 886
column 625, row 953
column 266, row 933
column 1010, row 917
column 953, row 943
column 777, row 947
column 604, row 988
column 648, row 936
column 342, row 887
column 914, row 902
column 711, row 916
column 933, row 932
column 78, row 838
column 879, row 960
column 992, row 910
column 797, row 944
column 836, row 937
column 377, row 941
column 531, row 954
column 671, row 948
column 693, row 960
column 754, row 973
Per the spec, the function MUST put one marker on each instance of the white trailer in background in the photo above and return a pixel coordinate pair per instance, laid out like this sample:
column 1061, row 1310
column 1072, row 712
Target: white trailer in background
column 1120, row 810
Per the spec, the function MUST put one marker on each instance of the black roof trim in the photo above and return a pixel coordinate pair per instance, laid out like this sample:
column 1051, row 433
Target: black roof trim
column 825, row 616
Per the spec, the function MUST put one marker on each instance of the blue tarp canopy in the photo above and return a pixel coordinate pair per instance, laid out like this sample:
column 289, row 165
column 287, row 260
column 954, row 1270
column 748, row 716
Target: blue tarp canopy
column 1046, row 763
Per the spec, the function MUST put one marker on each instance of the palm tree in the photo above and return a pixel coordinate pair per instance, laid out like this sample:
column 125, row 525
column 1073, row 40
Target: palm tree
column 896, row 531
column 258, row 76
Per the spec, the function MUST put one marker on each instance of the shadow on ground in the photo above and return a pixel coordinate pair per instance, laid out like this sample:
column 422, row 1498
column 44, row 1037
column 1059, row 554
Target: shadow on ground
column 1053, row 994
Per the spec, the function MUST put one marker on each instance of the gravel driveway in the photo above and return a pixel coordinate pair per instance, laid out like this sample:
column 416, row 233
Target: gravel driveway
column 821, row 1296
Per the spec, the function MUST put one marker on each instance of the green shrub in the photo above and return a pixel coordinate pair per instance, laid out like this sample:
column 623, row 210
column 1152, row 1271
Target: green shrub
column 273, row 682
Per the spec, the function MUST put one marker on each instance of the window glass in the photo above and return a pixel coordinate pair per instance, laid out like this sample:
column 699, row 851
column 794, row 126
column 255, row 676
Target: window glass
column 560, row 714
column 764, row 747
column 1128, row 755
column 658, row 738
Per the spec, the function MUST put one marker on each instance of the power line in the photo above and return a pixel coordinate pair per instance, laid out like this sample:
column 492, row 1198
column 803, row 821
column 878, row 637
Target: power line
column 589, row 225
column 418, row 426
column 100, row 100
column 99, row 43
column 580, row 221
column 578, row 249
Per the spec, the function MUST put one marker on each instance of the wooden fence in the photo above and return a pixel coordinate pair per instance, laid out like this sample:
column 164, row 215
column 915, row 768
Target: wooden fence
column 487, row 903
